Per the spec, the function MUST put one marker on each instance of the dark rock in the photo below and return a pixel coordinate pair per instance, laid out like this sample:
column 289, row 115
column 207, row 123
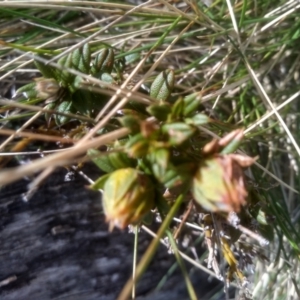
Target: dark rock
column 57, row 246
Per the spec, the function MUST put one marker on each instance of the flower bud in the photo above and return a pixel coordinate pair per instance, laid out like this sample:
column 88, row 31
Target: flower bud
column 46, row 87
column 127, row 196
column 218, row 184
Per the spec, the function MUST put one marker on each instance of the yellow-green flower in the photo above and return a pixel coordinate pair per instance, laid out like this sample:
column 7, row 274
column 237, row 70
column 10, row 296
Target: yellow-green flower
column 218, row 184
column 127, row 196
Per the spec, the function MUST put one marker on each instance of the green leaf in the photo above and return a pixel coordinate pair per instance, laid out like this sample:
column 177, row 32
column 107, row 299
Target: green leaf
column 81, row 101
column 101, row 160
column 131, row 58
column 198, row 120
column 191, row 104
column 159, row 111
column 100, row 182
column 159, row 159
column 177, row 110
column 234, row 140
column 28, row 90
column 296, row 35
column 46, row 70
column 86, row 102
column 64, row 77
column 134, row 113
column 103, row 62
column 162, row 85
column 131, row 122
column 63, row 107
column 180, row 175
column 178, row 132
column 107, row 78
column 76, row 57
column 81, row 59
column 261, row 217
column 120, row 160
column 137, row 146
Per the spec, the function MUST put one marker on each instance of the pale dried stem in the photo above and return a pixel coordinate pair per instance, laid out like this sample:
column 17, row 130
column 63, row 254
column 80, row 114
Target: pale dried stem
column 19, row 131
column 35, row 136
column 59, row 159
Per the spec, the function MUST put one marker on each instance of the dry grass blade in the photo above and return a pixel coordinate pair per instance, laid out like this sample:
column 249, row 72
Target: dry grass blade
column 58, row 159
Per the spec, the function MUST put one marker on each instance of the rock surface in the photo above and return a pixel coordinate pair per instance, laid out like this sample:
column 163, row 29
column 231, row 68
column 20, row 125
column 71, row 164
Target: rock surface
column 56, row 246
